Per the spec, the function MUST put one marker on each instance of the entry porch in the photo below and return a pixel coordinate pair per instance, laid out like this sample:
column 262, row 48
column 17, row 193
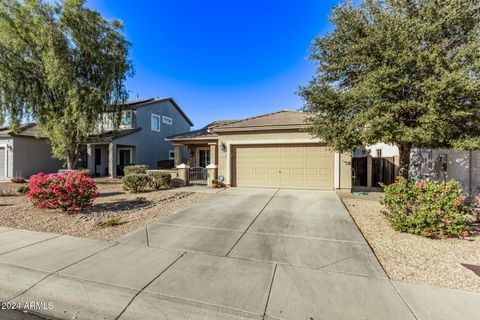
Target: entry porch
column 199, row 156
column 109, row 159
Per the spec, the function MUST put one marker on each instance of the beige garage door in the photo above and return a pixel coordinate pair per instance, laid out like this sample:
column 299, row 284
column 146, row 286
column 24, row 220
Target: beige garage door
column 308, row 166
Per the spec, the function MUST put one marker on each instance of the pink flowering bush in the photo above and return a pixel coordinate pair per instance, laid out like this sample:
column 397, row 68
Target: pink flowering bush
column 69, row 191
column 430, row 209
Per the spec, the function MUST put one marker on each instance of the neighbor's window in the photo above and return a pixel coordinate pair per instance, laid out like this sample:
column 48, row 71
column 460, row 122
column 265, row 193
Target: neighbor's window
column 171, row 154
column 155, row 122
column 126, row 121
column 167, row 120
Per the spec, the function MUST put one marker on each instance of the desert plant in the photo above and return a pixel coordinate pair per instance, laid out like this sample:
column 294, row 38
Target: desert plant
column 112, row 222
column 18, row 179
column 135, row 182
column 23, row 189
column 135, row 169
column 159, row 179
column 68, row 191
column 430, row 209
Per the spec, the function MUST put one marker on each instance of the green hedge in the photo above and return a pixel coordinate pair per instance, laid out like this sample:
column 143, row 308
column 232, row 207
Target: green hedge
column 135, row 169
column 135, row 182
column 159, row 179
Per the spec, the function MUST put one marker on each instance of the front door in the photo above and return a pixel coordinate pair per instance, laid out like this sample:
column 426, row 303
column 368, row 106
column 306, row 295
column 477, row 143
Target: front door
column 204, row 158
column 98, row 161
column 124, row 157
column 123, row 160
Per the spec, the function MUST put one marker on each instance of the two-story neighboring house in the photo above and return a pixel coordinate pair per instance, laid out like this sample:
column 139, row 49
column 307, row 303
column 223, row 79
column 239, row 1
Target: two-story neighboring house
column 140, row 139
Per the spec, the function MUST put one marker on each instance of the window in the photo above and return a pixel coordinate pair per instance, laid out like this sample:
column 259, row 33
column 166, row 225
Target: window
column 171, row 154
column 155, row 122
column 379, row 153
column 167, row 120
column 126, row 121
column 204, row 157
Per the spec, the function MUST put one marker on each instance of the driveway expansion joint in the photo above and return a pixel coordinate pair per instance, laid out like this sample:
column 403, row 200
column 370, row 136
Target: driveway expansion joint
column 306, row 237
column 270, row 291
column 253, row 221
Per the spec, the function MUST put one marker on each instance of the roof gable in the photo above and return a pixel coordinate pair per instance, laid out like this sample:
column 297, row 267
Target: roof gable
column 24, row 130
column 144, row 102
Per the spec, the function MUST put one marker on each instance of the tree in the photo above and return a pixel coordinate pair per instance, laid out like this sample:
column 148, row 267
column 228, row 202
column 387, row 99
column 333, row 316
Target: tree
column 63, row 65
column 404, row 72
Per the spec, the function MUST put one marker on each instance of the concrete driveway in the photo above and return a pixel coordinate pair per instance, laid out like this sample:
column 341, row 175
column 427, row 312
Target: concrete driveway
column 240, row 254
column 284, row 254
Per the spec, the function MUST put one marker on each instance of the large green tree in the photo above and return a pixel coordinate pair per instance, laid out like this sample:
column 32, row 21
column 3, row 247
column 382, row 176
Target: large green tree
column 404, row 72
column 63, row 65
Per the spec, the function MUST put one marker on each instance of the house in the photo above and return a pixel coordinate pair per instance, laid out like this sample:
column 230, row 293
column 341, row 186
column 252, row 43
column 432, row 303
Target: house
column 272, row 150
column 23, row 153
column 140, row 139
column 433, row 164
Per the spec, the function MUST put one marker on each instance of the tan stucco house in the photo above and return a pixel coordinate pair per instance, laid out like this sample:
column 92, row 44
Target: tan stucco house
column 271, row 150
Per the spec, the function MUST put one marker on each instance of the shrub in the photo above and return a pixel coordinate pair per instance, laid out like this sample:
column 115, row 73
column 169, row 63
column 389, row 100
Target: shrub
column 135, row 182
column 430, row 209
column 112, row 222
column 159, row 179
column 135, row 169
column 68, row 191
column 23, row 189
column 18, row 179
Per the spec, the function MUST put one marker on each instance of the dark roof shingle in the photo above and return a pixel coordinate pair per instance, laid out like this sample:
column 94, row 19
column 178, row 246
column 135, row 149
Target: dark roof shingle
column 279, row 118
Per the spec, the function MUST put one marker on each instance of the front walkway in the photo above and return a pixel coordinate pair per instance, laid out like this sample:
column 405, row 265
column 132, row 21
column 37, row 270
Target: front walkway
column 239, row 254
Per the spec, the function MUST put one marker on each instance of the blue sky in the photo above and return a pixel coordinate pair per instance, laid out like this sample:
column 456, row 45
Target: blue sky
column 227, row 59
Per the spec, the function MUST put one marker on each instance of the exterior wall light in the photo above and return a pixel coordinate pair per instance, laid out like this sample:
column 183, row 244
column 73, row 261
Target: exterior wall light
column 223, row 147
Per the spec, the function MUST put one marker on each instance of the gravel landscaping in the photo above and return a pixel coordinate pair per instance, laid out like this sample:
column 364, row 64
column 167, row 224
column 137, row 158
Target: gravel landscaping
column 413, row 258
column 113, row 214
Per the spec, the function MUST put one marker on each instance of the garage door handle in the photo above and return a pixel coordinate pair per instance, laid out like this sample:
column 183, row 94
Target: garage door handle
column 279, row 171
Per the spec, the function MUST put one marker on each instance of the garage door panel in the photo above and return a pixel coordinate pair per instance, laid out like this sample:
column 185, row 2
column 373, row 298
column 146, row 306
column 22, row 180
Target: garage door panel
column 286, row 166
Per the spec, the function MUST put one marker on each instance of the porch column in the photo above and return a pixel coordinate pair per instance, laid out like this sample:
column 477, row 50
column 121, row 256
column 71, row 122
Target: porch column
column 90, row 159
column 213, row 152
column 212, row 174
column 177, row 149
column 183, row 173
column 112, row 160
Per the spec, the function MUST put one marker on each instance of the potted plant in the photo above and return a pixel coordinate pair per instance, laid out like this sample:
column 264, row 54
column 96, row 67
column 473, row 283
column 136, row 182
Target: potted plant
column 215, row 183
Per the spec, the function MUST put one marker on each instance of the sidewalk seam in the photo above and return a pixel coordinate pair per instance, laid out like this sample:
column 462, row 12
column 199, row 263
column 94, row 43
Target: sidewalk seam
column 29, row 245
column 141, row 290
column 146, row 231
column 403, row 299
column 56, row 271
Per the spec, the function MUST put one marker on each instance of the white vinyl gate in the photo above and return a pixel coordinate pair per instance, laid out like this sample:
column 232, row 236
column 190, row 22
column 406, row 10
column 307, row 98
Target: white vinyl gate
column 3, row 162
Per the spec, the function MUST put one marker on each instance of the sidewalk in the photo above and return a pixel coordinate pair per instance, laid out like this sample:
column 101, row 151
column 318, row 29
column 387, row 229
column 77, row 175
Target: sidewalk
column 90, row 279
